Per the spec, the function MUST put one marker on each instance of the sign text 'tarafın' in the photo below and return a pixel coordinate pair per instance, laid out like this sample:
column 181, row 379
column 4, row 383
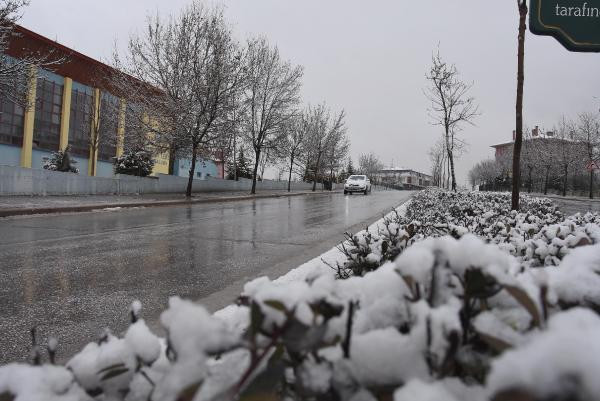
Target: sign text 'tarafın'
column 574, row 23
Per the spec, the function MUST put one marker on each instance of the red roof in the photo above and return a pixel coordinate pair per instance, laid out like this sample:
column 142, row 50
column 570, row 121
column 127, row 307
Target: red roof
column 77, row 66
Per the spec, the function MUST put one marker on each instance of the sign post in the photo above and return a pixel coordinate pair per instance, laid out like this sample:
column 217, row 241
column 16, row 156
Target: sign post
column 574, row 23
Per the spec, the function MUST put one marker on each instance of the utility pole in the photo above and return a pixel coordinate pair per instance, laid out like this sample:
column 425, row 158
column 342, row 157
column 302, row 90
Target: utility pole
column 516, row 181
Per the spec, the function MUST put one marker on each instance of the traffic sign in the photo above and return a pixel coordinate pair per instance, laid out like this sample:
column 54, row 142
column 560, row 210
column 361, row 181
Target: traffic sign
column 574, row 23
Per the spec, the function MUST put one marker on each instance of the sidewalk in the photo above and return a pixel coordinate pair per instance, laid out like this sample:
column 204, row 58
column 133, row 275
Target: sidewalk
column 570, row 205
column 569, row 198
column 29, row 205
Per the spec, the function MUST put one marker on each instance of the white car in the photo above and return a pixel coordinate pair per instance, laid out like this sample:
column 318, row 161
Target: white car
column 357, row 183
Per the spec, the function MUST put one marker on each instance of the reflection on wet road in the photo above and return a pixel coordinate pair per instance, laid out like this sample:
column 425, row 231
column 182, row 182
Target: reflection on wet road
column 72, row 275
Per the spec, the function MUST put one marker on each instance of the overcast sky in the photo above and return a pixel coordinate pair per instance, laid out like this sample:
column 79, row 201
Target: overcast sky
column 370, row 58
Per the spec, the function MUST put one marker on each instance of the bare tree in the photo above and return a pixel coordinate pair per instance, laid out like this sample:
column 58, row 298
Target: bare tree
column 529, row 157
column 337, row 150
column 438, row 157
column 546, row 162
column 197, row 67
column 294, row 142
column 323, row 127
column 369, row 164
column 566, row 152
column 485, row 172
column 269, row 98
column 588, row 134
column 451, row 105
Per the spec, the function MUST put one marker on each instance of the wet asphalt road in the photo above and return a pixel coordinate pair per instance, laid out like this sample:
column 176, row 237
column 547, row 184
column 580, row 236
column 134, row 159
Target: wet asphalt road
column 72, row 275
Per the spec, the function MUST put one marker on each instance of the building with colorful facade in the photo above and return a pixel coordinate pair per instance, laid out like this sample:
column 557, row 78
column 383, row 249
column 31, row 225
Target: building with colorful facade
column 60, row 115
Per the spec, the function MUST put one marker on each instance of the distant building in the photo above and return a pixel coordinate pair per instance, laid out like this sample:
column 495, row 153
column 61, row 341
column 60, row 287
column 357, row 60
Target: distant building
column 403, row 177
column 538, row 141
column 505, row 149
column 61, row 113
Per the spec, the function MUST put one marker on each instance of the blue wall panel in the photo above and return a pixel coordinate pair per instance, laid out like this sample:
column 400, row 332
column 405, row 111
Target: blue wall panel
column 204, row 168
column 82, row 164
column 37, row 158
column 10, row 155
column 104, row 169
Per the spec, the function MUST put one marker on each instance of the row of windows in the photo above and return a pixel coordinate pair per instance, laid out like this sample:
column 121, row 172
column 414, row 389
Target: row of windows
column 48, row 114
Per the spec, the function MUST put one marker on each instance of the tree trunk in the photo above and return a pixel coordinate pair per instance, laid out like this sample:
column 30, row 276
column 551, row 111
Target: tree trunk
column 447, row 184
column 255, row 171
column 530, row 181
column 516, row 182
column 290, row 174
column 235, row 166
column 450, row 161
column 264, row 165
column 453, row 174
column 171, row 161
column 546, row 181
column 566, row 178
column 188, row 191
column 331, row 179
column 314, row 188
column 592, row 183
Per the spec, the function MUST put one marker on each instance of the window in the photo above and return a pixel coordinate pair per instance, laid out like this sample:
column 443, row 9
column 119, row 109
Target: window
column 11, row 123
column 80, row 123
column 109, row 119
column 48, row 105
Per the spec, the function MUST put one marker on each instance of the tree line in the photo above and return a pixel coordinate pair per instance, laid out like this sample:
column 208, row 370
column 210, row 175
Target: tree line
column 220, row 98
column 562, row 160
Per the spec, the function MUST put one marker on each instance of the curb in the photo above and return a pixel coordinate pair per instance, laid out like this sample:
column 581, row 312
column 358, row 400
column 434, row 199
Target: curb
column 88, row 208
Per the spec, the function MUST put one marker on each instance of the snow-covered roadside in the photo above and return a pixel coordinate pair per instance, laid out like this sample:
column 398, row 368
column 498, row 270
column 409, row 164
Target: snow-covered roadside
column 236, row 316
column 453, row 297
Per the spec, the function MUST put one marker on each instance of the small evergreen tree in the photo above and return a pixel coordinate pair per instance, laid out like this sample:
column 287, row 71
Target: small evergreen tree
column 243, row 167
column 60, row 161
column 350, row 167
column 135, row 162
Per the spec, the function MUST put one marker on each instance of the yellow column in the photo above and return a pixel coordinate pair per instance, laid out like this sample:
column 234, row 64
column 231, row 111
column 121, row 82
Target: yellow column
column 94, row 133
column 29, row 119
column 65, row 114
column 121, row 128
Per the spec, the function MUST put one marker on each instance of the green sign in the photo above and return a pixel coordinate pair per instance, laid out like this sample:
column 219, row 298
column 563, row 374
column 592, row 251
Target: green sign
column 574, row 23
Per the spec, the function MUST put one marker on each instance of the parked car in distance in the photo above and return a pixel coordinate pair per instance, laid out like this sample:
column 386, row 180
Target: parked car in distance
column 357, row 183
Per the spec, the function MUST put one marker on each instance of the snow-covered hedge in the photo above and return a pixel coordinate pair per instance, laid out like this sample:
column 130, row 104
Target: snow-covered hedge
column 451, row 317
column 135, row 162
column 539, row 235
